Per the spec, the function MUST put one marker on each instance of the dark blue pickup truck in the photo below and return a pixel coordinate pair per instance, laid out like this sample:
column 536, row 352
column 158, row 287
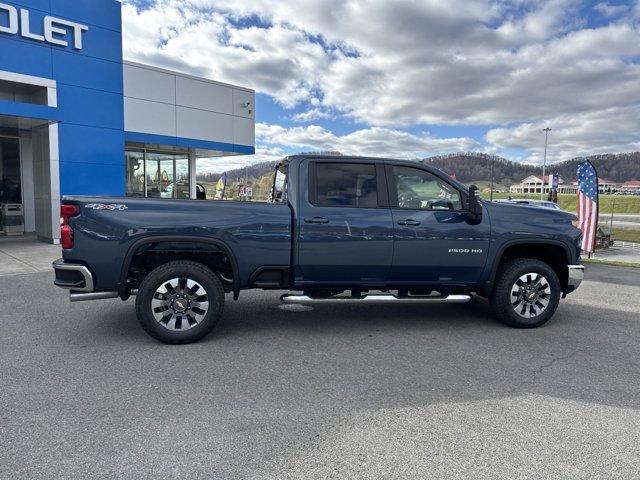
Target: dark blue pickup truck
column 335, row 230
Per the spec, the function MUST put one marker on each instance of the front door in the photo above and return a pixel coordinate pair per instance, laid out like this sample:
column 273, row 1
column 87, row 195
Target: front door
column 434, row 242
column 10, row 178
column 345, row 227
column 167, row 175
column 10, row 184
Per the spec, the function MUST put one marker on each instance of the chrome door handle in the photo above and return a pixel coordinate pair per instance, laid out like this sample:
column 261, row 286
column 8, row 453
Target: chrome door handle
column 316, row 220
column 409, row 222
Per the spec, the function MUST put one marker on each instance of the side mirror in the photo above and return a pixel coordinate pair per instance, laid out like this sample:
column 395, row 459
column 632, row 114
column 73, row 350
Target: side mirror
column 475, row 207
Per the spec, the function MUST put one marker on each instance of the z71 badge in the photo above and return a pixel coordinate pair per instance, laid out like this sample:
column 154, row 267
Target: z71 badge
column 108, row 206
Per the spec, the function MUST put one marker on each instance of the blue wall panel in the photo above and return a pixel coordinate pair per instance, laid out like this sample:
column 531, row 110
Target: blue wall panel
column 31, row 4
column 25, row 58
column 102, row 43
column 87, row 72
column 98, row 145
column 85, row 106
column 28, row 110
column 92, row 179
column 104, row 13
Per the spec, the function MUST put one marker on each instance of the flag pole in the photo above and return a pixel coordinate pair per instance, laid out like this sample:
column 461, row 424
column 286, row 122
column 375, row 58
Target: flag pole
column 595, row 230
column 544, row 165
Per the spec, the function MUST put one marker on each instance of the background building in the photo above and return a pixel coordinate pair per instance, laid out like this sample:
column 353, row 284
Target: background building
column 75, row 119
column 534, row 184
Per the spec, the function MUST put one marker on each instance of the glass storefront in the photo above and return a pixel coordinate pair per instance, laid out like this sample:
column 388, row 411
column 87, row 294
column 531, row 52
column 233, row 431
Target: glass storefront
column 157, row 174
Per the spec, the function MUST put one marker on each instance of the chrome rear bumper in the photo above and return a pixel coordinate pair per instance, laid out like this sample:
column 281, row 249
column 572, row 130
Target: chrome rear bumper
column 72, row 276
column 576, row 275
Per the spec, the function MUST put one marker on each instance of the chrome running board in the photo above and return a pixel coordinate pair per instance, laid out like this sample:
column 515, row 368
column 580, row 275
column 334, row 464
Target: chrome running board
column 372, row 299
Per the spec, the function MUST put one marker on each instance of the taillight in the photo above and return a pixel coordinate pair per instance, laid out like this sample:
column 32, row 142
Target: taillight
column 66, row 237
column 68, row 211
column 66, row 232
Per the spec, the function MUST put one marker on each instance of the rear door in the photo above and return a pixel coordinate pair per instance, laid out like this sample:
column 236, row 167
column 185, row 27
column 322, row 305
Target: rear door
column 344, row 224
column 434, row 241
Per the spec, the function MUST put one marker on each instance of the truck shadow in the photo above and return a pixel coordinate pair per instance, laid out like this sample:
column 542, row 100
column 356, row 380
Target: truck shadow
column 248, row 315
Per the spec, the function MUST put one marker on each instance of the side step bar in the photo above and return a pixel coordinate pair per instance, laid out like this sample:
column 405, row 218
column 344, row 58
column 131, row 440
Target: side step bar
column 372, row 299
column 87, row 297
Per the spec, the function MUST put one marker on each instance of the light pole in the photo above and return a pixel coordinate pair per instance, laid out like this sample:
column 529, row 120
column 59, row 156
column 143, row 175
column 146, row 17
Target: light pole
column 544, row 165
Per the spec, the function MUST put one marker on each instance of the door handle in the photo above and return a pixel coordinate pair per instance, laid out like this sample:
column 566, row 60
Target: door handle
column 316, row 220
column 409, row 222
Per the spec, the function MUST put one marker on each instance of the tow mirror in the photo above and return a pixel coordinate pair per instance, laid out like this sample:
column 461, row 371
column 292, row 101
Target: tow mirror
column 475, row 207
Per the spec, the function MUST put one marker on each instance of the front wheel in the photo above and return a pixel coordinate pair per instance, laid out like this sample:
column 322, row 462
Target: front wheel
column 526, row 293
column 180, row 302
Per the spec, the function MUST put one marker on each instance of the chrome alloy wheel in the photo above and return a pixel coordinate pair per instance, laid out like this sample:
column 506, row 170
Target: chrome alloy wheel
column 180, row 304
column 530, row 295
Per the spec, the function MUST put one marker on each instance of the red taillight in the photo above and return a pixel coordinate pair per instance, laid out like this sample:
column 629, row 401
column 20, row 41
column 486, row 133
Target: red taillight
column 68, row 211
column 66, row 237
column 66, row 232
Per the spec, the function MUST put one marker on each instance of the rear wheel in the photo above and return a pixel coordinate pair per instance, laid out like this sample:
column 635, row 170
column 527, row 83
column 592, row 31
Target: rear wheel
column 180, row 302
column 526, row 293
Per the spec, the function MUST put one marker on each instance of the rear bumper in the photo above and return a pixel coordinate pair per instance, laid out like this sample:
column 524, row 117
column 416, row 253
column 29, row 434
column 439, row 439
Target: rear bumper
column 73, row 276
column 576, row 275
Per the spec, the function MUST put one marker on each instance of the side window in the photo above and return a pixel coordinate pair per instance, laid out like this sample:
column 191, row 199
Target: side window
column 346, row 185
column 420, row 190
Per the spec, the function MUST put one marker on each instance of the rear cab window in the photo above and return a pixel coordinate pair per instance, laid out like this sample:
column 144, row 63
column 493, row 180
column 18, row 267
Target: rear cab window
column 344, row 185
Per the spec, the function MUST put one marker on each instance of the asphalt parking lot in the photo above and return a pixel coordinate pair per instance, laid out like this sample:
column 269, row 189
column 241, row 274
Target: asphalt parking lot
column 351, row 392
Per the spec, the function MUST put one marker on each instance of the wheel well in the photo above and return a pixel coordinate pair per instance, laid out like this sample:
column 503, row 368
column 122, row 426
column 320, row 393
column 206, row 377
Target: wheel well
column 553, row 255
column 149, row 256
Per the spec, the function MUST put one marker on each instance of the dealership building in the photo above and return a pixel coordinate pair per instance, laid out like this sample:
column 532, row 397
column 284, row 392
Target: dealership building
column 76, row 119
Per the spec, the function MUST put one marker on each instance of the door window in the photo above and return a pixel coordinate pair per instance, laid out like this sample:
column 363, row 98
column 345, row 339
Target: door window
column 420, row 190
column 346, row 185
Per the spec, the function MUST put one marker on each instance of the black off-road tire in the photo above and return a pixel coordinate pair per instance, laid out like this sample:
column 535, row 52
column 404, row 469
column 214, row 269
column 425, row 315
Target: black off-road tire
column 182, row 269
column 502, row 299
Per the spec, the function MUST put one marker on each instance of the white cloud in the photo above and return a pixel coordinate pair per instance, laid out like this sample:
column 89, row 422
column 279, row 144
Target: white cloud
column 609, row 11
column 375, row 141
column 470, row 61
column 312, row 114
column 608, row 131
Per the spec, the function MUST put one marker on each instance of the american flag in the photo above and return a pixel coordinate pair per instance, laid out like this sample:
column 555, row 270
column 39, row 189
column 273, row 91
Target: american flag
column 588, row 205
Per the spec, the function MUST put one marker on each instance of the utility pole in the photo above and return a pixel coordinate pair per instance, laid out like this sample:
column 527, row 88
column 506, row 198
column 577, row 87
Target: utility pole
column 544, row 165
column 491, row 199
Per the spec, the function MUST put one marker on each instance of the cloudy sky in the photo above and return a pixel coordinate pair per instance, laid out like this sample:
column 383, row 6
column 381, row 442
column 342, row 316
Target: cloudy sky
column 412, row 78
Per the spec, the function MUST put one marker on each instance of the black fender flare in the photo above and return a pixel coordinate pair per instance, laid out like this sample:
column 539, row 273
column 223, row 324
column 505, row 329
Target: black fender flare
column 122, row 288
column 521, row 241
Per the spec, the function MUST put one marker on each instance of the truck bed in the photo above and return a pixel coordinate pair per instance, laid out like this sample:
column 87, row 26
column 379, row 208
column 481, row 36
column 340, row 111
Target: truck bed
column 259, row 234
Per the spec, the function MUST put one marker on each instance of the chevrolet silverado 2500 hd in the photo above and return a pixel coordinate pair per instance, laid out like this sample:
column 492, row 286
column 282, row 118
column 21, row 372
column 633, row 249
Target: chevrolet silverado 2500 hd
column 336, row 229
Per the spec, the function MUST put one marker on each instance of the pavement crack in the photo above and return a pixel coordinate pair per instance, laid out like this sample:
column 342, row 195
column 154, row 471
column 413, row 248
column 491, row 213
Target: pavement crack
column 534, row 373
column 555, row 360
